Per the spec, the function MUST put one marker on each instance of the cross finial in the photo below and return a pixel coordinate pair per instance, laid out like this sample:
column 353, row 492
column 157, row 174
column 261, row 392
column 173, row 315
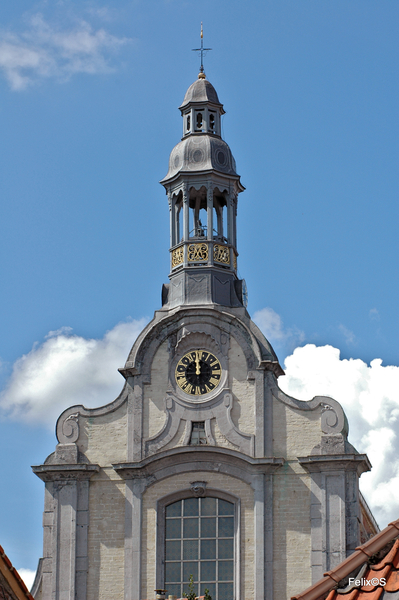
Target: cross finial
column 202, row 50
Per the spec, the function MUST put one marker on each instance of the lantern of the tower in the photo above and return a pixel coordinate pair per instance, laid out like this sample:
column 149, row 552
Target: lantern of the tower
column 202, row 187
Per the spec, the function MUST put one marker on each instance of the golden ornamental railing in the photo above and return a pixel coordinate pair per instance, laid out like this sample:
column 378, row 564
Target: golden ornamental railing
column 197, row 252
column 221, row 254
column 177, row 256
column 200, row 252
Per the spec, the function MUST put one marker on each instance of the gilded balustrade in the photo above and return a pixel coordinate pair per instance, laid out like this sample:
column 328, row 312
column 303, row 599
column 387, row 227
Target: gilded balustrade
column 221, row 254
column 199, row 252
column 177, row 256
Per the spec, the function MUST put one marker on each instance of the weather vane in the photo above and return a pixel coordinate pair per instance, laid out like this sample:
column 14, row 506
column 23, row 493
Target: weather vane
column 202, row 50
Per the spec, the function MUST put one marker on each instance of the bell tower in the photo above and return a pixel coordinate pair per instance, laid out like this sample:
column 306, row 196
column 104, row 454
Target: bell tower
column 202, row 187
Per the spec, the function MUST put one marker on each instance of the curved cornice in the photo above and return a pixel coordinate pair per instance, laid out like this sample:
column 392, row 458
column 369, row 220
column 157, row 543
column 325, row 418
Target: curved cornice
column 191, row 459
column 258, row 352
column 67, row 427
column 333, row 418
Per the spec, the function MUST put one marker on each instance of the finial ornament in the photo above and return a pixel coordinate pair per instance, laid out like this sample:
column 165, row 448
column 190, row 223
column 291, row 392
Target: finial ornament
column 202, row 50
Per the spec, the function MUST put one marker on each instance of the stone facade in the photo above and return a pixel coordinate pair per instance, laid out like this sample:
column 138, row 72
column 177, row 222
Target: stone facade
column 219, row 428
column 286, row 461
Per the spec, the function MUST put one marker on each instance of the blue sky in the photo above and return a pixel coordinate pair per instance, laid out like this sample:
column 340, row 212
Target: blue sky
column 88, row 108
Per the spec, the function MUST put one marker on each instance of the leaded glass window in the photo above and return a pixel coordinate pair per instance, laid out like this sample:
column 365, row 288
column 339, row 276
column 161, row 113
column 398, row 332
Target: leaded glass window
column 199, row 541
column 198, row 435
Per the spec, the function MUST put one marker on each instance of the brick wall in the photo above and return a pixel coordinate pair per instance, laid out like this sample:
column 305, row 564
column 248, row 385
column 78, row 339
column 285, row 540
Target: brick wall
column 103, row 439
column 106, row 537
column 154, row 393
column 295, row 433
column 291, row 534
column 242, row 414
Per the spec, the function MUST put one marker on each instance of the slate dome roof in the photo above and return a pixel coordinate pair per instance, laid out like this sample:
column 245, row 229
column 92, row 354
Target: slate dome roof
column 201, row 153
column 200, row 91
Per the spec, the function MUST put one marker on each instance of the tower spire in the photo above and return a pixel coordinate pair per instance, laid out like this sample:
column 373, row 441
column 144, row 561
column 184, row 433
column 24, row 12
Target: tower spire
column 202, row 50
column 202, row 185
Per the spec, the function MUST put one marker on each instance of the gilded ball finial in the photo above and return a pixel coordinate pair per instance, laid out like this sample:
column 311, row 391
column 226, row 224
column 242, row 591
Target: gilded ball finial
column 201, row 75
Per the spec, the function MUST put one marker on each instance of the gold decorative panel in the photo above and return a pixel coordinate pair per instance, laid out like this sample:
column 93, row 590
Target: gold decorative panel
column 221, row 254
column 177, row 256
column 235, row 261
column 197, row 252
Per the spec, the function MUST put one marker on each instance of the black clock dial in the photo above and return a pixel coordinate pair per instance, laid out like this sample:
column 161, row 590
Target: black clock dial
column 198, row 372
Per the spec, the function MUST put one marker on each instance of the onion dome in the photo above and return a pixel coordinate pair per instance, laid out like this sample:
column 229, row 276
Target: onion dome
column 201, row 153
column 201, row 91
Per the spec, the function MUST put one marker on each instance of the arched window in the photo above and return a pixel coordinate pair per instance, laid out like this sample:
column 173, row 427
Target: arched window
column 199, row 542
column 212, row 122
column 199, row 121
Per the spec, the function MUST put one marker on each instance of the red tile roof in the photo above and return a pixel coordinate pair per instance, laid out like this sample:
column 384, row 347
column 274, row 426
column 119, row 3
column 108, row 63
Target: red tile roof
column 13, row 579
column 377, row 559
column 374, row 580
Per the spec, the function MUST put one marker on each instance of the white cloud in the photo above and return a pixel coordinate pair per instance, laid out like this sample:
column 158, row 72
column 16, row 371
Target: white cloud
column 369, row 395
column 349, row 336
column 271, row 324
column 66, row 370
column 46, row 50
column 374, row 315
column 62, row 330
column 105, row 13
column 27, row 576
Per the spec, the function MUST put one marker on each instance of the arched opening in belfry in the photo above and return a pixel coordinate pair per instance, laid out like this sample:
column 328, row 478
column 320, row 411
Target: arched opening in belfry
column 198, row 212
column 178, row 219
column 219, row 219
column 212, row 121
column 200, row 125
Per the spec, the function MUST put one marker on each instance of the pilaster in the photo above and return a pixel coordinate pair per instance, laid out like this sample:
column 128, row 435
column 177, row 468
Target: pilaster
column 65, row 523
column 334, row 485
column 133, row 528
column 259, row 528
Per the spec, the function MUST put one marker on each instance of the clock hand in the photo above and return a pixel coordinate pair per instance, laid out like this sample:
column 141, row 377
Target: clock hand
column 197, row 363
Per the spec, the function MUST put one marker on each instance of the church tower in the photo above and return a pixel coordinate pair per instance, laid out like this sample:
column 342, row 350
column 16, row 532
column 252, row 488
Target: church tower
column 202, row 467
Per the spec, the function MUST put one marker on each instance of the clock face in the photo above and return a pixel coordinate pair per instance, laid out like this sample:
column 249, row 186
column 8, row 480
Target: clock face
column 198, row 372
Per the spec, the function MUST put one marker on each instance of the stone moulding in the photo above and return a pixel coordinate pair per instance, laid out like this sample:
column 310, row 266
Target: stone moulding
column 65, row 472
column 257, row 350
column 219, row 409
column 347, row 462
column 333, row 418
column 67, row 428
column 178, row 460
column 199, row 339
column 198, row 488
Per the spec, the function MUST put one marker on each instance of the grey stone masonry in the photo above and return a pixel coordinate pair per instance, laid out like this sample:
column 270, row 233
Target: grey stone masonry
column 335, row 506
column 65, row 524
